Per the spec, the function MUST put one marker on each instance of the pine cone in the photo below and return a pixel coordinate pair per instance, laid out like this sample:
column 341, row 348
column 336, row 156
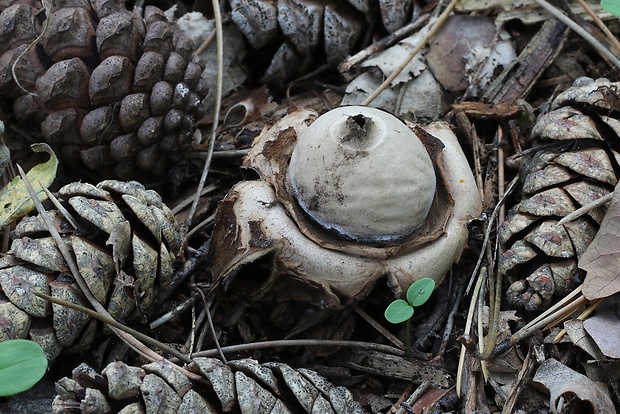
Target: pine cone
column 313, row 30
column 242, row 385
column 145, row 238
column 539, row 256
column 118, row 92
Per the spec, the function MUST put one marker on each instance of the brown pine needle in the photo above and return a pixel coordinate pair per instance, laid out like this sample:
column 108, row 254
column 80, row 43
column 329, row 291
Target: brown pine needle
column 413, row 54
column 600, row 24
column 586, row 209
column 581, row 317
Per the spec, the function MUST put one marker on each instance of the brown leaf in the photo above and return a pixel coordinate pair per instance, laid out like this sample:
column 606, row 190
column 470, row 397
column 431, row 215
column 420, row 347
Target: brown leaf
column 602, row 257
column 604, row 327
column 561, row 380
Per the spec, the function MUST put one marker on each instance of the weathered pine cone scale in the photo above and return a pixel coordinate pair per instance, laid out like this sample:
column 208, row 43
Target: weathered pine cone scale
column 239, row 386
column 116, row 91
column 125, row 249
column 540, row 256
column 305, row 29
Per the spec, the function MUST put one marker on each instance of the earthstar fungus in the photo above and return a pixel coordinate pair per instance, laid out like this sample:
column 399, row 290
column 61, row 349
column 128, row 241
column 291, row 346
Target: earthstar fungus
column 342, row 200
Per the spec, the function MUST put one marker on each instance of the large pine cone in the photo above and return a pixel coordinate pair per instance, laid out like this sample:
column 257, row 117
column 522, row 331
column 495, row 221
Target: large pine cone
column 313, row 30
column 118, row 92
column 539, row 256
column 240, row 386
column 145, row 239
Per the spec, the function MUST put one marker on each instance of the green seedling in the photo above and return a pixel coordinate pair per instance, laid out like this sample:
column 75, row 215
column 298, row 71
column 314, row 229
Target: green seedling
column 22, row 364
column 401, row 310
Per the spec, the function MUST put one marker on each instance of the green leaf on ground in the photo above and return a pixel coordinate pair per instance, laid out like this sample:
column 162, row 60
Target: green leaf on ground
column 398, row 311
column 419, row 292
column 22, row 364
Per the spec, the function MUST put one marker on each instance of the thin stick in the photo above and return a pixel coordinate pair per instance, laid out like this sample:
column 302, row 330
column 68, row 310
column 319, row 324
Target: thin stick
column 388, row 335
column 450, row 322
column 211, row 326
column 384, row 43
column 186, row 202
column 406, row 406
column 200, row 226
column 501, row 184
column 204, row 45
column 180, row 309
column 574, row 295
column 600, row 24
column 301, row 342
column 467, row 330
column 495, row 298
column 580, row 31
column 480, row 323
column 216, row 109
column 116, row 324
column 413, row 53
column 587, row 208
column 403, row 397
column 541, row 322
column 581, row 317
column 487, row 233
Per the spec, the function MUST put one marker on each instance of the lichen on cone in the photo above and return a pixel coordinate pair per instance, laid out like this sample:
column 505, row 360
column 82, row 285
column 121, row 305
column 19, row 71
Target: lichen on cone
column 117, row 91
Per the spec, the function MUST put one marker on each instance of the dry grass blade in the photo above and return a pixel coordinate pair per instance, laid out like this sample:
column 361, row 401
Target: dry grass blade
column 581, row 317
column 580, row 31
column 467, row 330
column 216, row 109
column 487, row 233
column 600, row 24
column 382, row 44
column 65, row 213
column 559, row 312
column 207, row 310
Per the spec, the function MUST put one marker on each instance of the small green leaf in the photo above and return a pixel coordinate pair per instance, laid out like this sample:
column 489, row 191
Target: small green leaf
column 15, row 201
column 419, row 292
column 612, row 6
column 398, row 311
column 22, row 364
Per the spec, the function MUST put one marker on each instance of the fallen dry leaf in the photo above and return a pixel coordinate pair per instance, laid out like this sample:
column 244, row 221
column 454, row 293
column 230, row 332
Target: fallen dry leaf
column 563, row 381
column 604, row 327
column 578, row 335
column 602, row 257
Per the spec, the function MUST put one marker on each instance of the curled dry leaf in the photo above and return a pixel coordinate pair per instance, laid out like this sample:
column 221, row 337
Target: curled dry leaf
column 14, row 198
column 577, row 334
column 562, row 381
column 602, row 258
